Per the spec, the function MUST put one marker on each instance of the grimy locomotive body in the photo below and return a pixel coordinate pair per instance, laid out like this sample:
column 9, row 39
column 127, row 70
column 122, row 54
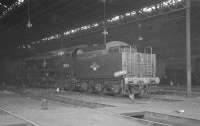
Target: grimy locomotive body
column 114, row 68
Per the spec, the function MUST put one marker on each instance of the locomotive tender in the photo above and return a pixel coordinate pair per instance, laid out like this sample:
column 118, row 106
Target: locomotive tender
column 115, row 68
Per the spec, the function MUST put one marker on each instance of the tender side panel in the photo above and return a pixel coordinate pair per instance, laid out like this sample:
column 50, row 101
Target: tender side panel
column 95, row 65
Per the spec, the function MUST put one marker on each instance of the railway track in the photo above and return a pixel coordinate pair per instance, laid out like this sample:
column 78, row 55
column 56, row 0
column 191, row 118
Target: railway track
column 177, row 91
column 8, row 118
column 61, row 99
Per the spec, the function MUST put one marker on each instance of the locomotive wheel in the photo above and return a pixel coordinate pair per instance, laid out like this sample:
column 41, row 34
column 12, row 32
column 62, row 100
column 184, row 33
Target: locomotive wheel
column 90, row 86
column 84, row 86
column 145, row 91
column 90, row 89
column 67, row 85
column 98, row 87
column 116, row 89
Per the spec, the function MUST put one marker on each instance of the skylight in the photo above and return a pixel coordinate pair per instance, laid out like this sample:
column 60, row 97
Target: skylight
column 11, row 7
column 116, row 18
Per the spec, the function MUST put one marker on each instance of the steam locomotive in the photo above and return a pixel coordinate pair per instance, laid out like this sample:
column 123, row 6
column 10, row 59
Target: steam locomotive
column 114, row 68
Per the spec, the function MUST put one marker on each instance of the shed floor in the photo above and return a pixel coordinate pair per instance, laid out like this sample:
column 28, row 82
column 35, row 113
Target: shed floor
column 59, row 114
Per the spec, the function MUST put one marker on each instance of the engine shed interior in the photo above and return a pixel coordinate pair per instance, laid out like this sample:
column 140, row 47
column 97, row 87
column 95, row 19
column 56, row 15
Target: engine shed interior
column 100, row 54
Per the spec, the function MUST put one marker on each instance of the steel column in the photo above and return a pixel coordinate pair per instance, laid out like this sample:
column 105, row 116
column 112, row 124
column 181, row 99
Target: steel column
column 188, row 47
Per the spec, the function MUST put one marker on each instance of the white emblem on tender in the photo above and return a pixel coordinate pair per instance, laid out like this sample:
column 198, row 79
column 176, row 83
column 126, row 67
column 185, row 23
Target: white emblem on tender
column 94, row 66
